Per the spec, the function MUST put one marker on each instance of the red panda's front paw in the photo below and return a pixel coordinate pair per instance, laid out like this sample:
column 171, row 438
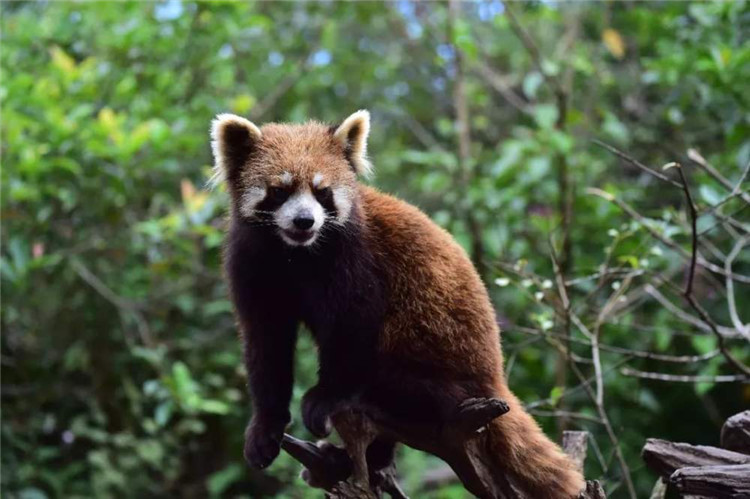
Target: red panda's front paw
column 317, row 407
column 262, row 443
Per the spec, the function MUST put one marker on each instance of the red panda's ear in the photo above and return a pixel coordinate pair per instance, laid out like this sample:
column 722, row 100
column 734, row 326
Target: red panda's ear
column 233, row 140
column 352, row 134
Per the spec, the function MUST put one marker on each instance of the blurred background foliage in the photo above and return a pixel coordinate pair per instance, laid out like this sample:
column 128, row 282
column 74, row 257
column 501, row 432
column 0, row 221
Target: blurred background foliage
column 121, row 372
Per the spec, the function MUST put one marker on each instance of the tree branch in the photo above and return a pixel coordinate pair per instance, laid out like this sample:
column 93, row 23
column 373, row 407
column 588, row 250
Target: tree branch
column 344, row 474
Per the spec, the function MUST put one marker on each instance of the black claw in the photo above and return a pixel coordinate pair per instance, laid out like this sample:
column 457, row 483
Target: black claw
column 325, row 464
column 476, row 413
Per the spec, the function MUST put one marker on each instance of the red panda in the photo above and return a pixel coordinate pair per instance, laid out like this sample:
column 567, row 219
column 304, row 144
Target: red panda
column 399, row 314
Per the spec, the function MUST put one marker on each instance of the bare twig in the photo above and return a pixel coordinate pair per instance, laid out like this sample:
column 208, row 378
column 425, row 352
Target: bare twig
column 719, row 337
column 684, row 316
column 736, row 191
column 662, row 238
column 684, row 378
column 677, row 359
column 421, row 133
column 728, row 219
column 699, row 160
column 597, row 394
column 688, row 288
column 693, row 231
column 502, row 87
column 610, row 433
column 743, row 329
column 567, row 414
column 635, row 162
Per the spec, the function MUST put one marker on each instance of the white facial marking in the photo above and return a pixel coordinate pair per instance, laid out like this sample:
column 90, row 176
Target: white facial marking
column 286, row 178
column 301, row 204
column 250, row 200
column 342, row 198
column 317, row 179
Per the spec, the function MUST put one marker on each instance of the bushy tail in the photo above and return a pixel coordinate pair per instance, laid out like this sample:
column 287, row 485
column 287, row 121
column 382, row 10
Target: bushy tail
column 534, row 464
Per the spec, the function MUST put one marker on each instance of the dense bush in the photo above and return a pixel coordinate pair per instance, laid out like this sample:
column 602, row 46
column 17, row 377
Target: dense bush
column 121, row 373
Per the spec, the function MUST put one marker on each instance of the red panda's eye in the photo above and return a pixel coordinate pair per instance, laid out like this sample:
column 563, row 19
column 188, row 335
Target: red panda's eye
column 278, row 194
column 323, row 193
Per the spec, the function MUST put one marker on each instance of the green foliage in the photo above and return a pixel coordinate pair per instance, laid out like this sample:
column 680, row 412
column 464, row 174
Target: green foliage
column 121, row 371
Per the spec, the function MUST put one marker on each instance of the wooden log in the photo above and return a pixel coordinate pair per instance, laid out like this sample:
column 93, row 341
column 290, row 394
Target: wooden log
column 735, row 434
column 730, row 481
column 575, row 445
column 344, row 474
column 665, row 457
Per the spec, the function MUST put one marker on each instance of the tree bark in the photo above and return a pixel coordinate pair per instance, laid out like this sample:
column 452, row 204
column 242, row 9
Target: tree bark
column 732, row 481
column 575, row 445
column 735, row 434
column 343, row 472
column 665, row 457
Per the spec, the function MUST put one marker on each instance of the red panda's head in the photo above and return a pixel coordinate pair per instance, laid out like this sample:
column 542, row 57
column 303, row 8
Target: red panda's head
column 298, row 177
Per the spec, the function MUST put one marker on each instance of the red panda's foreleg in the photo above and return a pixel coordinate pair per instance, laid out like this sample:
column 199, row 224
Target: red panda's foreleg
column 269, row 352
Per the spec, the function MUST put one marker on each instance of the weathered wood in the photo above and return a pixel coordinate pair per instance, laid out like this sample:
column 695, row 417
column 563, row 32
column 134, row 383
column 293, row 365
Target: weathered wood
column 593, row 490
column 665, row 457
column 735, row 434
column 343, row 473
column 357, row 432
column 731, row 481
column 332, row 468
column 462, row 444
column 575, row 445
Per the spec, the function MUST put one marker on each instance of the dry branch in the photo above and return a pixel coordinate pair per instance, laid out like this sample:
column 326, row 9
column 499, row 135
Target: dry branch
column 343, row 472
column 575, row 444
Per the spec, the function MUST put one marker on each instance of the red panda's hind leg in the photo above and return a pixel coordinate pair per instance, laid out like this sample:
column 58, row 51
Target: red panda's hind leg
column 420, row 400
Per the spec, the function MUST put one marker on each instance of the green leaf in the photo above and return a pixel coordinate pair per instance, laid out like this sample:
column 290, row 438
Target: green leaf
column 703, row 343
column 531, row 84
column 214, row 406
column 221, row 480
column 555, row 395
column 545, row 115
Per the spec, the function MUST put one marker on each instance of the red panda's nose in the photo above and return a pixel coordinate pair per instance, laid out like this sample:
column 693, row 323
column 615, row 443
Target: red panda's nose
column 303, row 221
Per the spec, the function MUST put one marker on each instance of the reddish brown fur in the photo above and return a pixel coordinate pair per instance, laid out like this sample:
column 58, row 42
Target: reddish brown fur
column 439, row 312
column 302, row 149
column 437, row 318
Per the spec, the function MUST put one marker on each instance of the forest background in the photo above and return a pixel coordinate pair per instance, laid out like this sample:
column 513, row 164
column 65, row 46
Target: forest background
column 536, row 133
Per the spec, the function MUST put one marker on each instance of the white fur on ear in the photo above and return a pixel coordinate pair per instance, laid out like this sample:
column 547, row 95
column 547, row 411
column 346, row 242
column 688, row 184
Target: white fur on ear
column 232, row 140
column 352, row 134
